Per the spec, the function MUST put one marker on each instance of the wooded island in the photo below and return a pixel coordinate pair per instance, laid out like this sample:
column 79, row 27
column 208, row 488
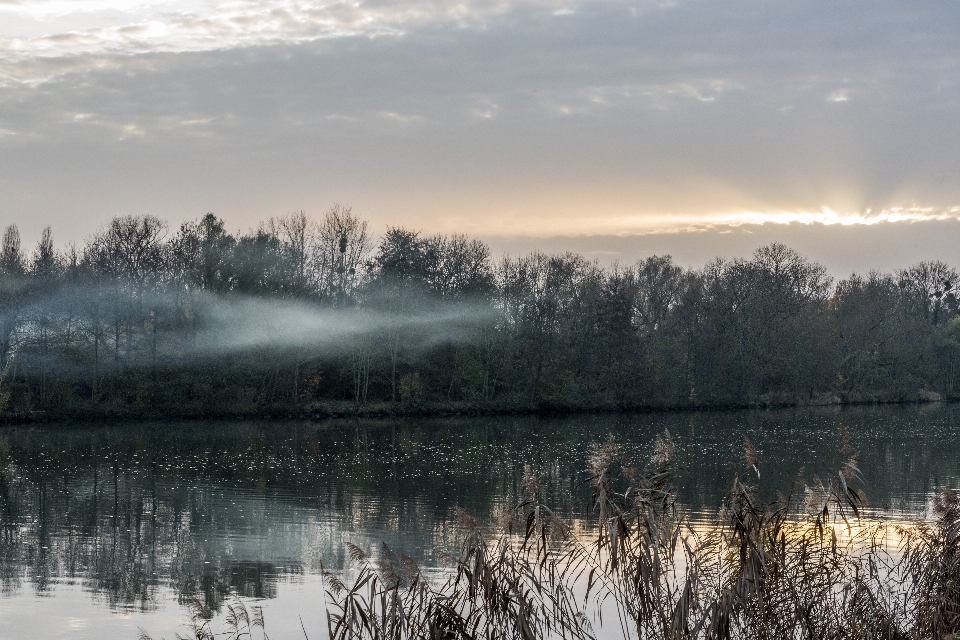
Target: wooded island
column 308, row 316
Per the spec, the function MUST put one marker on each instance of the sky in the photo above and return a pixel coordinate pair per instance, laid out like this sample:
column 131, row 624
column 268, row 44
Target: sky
column 614, row 128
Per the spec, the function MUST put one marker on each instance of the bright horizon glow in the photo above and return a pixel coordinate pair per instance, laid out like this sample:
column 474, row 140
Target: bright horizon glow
column 646, row 224
column 826, row 217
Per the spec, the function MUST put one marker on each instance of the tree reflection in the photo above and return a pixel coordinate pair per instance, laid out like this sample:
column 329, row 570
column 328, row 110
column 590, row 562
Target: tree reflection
column 131, row 512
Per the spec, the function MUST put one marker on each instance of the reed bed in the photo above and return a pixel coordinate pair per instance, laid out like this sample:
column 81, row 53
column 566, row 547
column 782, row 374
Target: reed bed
column 805, row 565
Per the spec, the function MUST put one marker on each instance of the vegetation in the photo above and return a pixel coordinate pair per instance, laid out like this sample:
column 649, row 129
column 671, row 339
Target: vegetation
column 791, row 567
column 305, row 316
column 136, row 513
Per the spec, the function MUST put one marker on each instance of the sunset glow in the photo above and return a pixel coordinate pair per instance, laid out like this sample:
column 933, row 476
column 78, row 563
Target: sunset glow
column 506, row 118
column 304, row 302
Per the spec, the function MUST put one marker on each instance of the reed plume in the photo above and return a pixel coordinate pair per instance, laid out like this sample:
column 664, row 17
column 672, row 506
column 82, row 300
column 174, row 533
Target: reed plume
column 801, row 565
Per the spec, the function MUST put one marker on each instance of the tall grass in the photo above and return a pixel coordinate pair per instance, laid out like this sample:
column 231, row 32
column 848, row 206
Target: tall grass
column 808, row 564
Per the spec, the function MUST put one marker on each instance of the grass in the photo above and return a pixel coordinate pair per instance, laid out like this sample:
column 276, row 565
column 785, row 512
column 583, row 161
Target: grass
column 806, row 565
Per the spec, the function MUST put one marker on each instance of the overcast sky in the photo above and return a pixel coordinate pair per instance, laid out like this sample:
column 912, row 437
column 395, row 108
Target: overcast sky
column 611, row 127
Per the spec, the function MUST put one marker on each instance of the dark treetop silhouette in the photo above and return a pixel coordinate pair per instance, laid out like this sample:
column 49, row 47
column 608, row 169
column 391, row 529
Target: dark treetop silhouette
column 305, row 316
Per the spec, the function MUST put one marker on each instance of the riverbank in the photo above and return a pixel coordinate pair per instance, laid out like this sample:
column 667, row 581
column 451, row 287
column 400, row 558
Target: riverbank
column 333, row 410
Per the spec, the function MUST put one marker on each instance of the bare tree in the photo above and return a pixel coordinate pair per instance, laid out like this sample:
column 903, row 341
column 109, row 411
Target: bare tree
column 12, row 287
column 343, row 246
column 131, row 252
column 12, row 262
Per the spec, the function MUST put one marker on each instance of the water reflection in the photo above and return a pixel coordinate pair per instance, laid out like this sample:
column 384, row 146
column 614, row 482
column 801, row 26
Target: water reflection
column 135, row 512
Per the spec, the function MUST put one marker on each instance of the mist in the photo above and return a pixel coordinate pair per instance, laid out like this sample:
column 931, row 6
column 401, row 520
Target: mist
column 308, row 315
column 135, row 329
column 238, row 324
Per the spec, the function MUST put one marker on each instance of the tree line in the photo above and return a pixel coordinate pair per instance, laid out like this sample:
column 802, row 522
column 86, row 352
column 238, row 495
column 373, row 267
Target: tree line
column 134, row 321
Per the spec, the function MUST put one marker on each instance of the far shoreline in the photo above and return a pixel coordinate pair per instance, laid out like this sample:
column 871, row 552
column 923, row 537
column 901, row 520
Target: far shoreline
column 338, row 411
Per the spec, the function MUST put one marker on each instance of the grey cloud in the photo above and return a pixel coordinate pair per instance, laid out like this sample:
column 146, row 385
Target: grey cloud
column 253, row 22
column 690, row 108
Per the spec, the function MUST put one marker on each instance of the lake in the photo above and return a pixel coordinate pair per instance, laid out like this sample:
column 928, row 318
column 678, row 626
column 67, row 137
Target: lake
column 105, row 529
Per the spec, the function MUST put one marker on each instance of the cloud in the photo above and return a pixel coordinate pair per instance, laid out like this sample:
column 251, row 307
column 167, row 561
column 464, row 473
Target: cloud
column 655, row 224
column 61, row 29
column 400, row 118
column 829, row 218
column 480, row 116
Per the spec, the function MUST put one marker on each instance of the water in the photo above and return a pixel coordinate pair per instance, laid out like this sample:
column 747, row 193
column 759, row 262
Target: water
column 107, row 529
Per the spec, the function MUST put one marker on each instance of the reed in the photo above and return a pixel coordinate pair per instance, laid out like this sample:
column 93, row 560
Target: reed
column 807, row 564
column 240, row 623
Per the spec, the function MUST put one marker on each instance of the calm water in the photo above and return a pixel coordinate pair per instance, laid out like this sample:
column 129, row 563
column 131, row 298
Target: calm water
column 107, row 529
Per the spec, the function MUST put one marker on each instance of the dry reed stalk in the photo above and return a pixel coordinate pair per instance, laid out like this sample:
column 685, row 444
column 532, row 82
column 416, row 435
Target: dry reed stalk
column 766, row 570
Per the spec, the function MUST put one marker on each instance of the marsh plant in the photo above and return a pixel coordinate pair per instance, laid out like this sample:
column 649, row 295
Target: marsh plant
column 240, row 623
column 807, row 564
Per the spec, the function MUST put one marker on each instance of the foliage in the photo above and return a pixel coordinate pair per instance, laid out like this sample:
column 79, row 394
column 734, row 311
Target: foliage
column 789, row 567
column 133, row 323
column 764, row 570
